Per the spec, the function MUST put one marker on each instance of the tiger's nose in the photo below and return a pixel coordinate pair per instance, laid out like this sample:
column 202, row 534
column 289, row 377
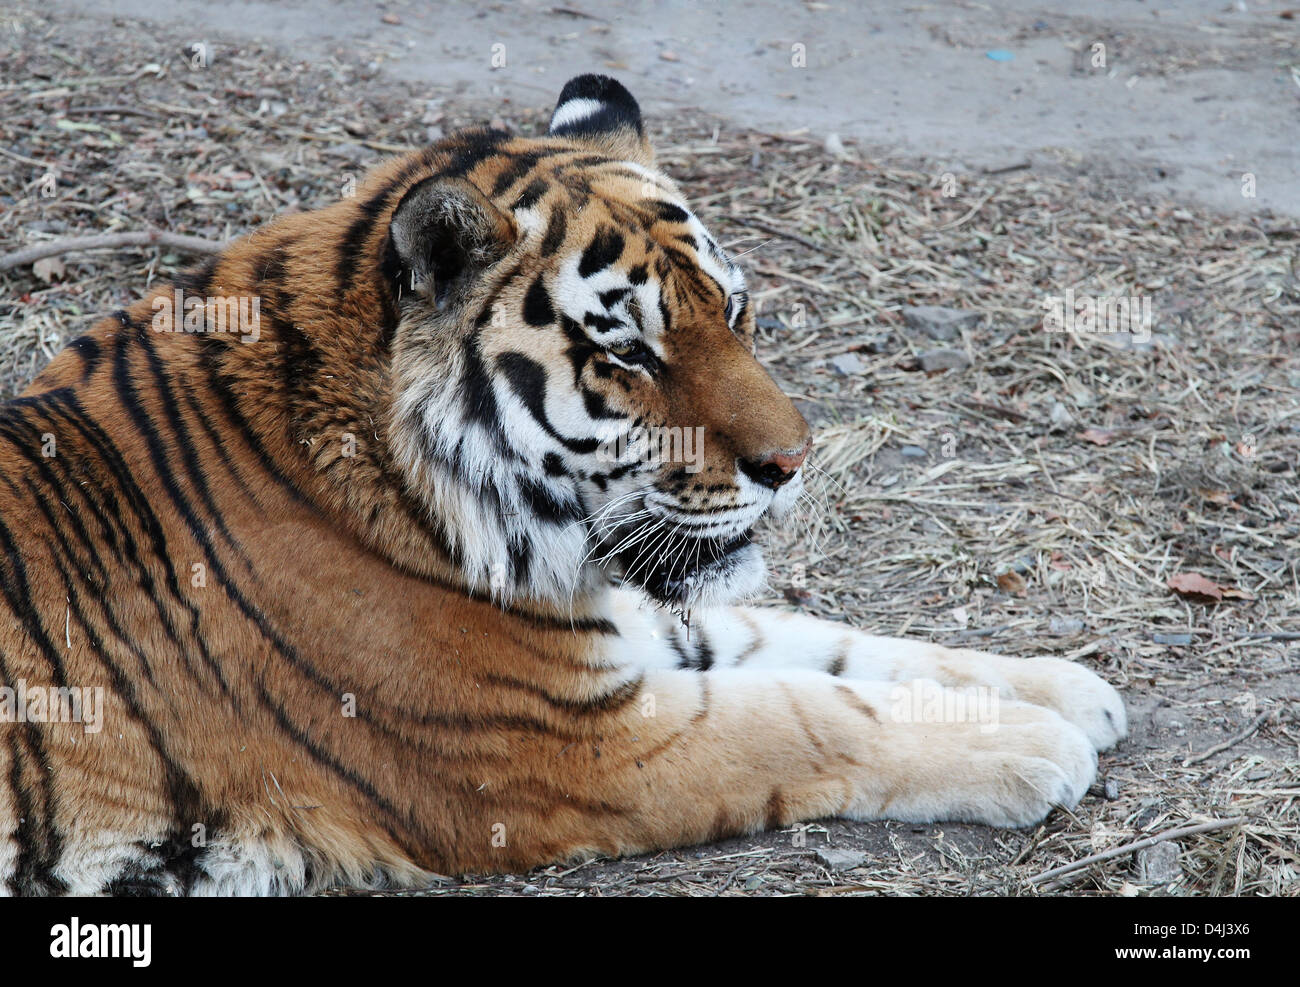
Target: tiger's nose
column 778, row 468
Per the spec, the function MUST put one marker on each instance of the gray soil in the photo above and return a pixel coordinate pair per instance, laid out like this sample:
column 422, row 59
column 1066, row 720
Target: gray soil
column 1193, row 95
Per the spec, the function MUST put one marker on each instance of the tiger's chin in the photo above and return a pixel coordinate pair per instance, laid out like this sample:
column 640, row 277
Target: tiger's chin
column 701, row 573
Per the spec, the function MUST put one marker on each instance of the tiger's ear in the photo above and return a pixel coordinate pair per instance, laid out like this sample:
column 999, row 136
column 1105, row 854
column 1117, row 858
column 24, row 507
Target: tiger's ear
column 597, row 110
column 444, row 233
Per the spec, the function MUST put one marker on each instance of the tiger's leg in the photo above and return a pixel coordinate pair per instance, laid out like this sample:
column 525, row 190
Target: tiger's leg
column 757, row 638
column 697, row 756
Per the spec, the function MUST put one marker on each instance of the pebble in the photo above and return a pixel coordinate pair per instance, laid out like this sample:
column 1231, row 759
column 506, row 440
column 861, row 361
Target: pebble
column 833, row 859
column 1064, row 626
column 938, row 322
column 1060, row 416
column 1144, row 343
column 835, row 147
column 846, row 364
column 933, row 360
column 1158, row 864
column 912, row 452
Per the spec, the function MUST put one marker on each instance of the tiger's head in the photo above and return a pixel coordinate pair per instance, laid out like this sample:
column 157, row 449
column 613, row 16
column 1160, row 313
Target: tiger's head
column 576, row 394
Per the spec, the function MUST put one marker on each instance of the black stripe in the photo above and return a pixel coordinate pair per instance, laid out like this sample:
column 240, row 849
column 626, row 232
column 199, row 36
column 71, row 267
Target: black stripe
column 537, row 304
column 605, row 248
column 556, row 230
column 527, row 378
column 533, row 191
column 211, row 349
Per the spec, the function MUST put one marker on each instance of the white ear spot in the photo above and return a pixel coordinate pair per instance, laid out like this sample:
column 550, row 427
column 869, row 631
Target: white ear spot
column 574, row 110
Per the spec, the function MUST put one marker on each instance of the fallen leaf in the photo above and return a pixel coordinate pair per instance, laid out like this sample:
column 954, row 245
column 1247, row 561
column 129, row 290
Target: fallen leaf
column 1195, row 586
column 1013, row 582
column 391, row 19
column 49, row 269
column 797, row 595
column 668, row 56
column 1098, row 436
column 1231, row 593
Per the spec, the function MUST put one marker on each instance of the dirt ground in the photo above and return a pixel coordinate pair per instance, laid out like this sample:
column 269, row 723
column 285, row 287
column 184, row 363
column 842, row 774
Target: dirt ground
column 996, row 486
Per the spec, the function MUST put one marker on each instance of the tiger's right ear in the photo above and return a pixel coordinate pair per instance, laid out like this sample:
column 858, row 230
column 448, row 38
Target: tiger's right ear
column 597, row 110
column 445, row 232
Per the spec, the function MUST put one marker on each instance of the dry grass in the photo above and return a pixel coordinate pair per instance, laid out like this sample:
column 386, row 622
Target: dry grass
column 1035, row 501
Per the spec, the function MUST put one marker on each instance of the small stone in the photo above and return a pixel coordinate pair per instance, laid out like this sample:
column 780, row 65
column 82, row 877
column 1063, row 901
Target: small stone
column 1111, row 789
column 846, row 364
column 912, row 452
column 530, row 889
column 1179, row 640
column 1158, row 864
column 1064, row 626
column 1141, row 342
column 934, row 360
column 753, row 884
column 668, row 56
column 1060, row 417
column 835, row 147
column 938, row 322
column 833, row 859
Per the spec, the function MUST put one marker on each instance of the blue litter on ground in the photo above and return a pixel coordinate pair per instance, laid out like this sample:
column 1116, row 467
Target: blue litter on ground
column 1000, row 55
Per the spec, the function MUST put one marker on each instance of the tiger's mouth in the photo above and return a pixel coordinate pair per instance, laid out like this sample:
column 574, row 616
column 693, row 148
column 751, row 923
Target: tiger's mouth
column 684, row 570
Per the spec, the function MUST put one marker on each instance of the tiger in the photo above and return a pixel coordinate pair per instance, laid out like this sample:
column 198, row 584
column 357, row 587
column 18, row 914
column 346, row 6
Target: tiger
column 350, row 559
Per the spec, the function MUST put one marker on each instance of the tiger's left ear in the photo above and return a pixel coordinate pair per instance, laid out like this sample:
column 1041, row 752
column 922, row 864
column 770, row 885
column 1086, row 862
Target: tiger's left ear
column 597, row 110
column 445, row 232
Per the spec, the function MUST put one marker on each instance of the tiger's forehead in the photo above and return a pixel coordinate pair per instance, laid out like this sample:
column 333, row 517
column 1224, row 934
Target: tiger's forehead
column 641, row 262
column 604, row 199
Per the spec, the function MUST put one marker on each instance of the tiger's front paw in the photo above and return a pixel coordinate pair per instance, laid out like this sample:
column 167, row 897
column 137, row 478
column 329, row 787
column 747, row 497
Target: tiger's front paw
column 966, row 755
column 1033, row 761
column 1077, row 693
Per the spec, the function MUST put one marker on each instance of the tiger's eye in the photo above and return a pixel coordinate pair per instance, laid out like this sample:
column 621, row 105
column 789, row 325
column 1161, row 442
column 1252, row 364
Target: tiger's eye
column 628, row 350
